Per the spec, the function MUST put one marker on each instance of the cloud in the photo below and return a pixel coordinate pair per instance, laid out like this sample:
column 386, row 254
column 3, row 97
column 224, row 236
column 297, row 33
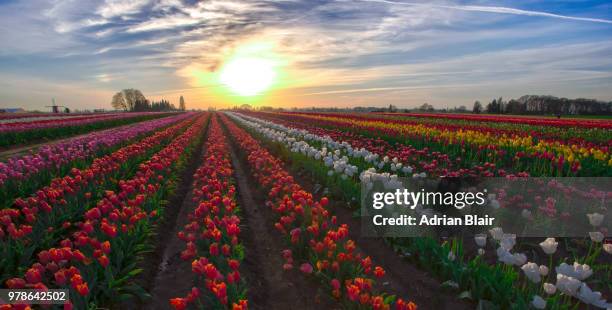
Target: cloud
column 377, row 51
column 496, row 9
column 121, row 8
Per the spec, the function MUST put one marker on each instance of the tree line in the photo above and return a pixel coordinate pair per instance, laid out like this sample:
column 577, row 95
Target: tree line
column 527, row 105
column 132, row 100
column 542, row 105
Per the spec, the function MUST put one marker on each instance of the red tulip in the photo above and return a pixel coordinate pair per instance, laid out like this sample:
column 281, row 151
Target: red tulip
column 178, row 303
column 33, row 276
column 306, row 268
column 15, row 283
column 379, row 272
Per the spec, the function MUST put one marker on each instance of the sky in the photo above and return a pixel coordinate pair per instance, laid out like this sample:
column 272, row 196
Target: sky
column 318, row 53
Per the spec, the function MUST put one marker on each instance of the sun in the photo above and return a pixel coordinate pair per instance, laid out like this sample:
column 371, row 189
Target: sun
column 248, row 76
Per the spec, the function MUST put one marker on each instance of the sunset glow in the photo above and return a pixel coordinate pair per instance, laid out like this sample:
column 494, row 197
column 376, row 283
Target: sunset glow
column 225, row 53
column 248, row 76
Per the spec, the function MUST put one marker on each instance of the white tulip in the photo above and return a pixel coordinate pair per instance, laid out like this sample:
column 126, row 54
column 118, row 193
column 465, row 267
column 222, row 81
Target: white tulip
column 519, row 259
column 508, row 258
column 567, row 285
column 549, row 288
column 591, row 298
column 532, row 272
column 481, row 240
column 526, row 214
column 538, row 302
column 549, row 246
column 608, row 248
column 578, row 271
column 407, row 169
column 496, row 233
column 596, row 236
column 595, row 219
column 543, row 270
column 508, row 241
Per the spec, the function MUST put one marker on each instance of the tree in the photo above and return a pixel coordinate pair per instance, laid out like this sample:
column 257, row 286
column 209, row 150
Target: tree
column 477, row 109
column 462, row 109
column 162, row 105
column 392, row 108
column 118, row 102
column 127, row 98
column 500, row 105
column 515, row 107
column 182, row 104
column 142, row 105
column 426, row 107
column 492, row 107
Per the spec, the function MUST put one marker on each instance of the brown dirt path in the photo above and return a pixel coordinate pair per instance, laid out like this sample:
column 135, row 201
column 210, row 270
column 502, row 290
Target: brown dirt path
column 270, row 287
column 166, row 274
column 174, row 277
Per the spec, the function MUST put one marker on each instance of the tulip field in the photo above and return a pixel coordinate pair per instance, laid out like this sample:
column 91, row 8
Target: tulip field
column 33, row 128
column 240, row 209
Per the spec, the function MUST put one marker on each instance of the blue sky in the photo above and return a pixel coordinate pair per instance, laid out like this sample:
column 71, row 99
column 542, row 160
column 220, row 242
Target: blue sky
column 334, row 53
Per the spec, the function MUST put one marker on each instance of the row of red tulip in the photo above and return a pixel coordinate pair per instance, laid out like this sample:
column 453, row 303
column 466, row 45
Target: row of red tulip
column 15, row 116
column 514, row 153
column 18, row 221
column 51, row 159
column 484, row 128
column 537, row 121
column 43, row 219
column 211, row 236
column 67, row 121
column 317, row 243
column 96, row 260
column 548, row 134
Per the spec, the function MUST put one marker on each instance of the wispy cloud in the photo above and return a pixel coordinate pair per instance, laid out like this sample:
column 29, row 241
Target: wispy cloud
column 495, row 9
column 332, row 51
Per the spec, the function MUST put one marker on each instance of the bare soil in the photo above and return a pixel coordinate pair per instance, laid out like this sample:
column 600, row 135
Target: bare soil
column 174, row 277
column 165, row 274
column 270, row 287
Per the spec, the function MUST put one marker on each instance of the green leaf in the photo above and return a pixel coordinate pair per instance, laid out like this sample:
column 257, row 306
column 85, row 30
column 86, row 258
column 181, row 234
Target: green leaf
column 389, row 299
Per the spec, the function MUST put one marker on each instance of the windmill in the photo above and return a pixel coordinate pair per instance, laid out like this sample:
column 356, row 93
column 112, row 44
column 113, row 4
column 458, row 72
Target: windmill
column 54, row 107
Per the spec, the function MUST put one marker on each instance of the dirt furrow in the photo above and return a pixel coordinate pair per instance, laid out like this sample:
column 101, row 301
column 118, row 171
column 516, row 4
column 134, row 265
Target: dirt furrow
column 270, row 287
column 166, row 274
